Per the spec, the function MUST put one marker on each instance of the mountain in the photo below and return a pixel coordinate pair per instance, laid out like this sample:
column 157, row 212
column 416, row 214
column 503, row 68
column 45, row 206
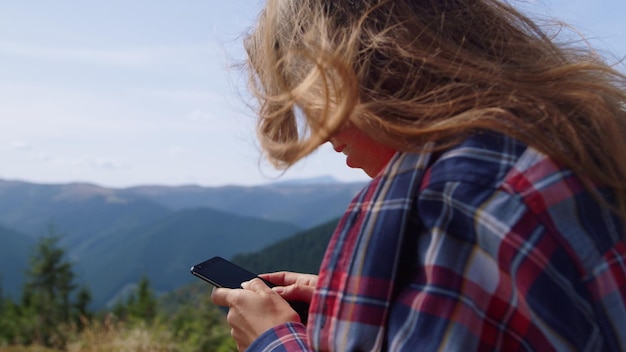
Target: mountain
column 114, row 236
column 302, row 252
column 325, row 180
column 78, row 212
column 164, row 251
column 81, row 210
column 14, row 255
column 304, row 204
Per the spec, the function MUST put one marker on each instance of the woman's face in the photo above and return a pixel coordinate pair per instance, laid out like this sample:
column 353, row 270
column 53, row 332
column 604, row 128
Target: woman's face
column 361, row 151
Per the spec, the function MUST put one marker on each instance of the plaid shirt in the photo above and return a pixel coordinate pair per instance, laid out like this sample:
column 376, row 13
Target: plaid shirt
column 489, row 246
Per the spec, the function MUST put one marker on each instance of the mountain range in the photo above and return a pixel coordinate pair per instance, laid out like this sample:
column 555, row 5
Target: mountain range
column 114, row 236
column 302, row 252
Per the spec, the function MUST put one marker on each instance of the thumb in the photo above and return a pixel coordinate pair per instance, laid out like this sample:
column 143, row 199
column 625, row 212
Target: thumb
column 295, row 292
column 257, row 285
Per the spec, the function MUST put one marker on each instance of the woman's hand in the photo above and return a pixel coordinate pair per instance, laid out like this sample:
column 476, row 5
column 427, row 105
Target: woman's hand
column 293, row 286
column 253, row 310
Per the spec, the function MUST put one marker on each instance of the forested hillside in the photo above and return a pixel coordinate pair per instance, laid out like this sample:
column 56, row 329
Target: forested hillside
column 114, row 236
column 302, row 252
column 14, row 249
column 165, row 250
column 184, row 319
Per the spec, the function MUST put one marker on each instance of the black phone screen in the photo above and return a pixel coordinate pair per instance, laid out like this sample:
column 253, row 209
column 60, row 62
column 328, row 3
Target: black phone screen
column 223, row 273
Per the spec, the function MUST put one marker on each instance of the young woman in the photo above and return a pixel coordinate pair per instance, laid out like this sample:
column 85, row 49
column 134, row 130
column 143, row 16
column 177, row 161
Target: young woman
column 494, row 220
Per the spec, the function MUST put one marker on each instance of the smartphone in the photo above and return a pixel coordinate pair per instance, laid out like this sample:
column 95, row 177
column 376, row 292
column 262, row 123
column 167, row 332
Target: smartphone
column 220, row 272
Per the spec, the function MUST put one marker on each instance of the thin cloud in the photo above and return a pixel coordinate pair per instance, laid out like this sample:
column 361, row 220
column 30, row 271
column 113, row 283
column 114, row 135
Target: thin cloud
column 94, row 162
column 42, row 156
column 200, row 116
column 121, row 57
column 177, row 151
column 20, row 146
column 90, row 161
column 185, row 96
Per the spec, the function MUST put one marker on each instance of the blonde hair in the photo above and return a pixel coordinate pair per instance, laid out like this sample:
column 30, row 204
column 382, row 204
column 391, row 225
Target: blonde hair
column 408, row 72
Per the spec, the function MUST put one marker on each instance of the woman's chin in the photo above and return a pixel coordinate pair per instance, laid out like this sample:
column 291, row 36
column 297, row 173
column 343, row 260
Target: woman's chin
column 350, row 163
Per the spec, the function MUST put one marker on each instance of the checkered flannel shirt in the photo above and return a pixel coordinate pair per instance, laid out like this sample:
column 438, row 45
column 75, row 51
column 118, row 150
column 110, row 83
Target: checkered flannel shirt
column 488, row 246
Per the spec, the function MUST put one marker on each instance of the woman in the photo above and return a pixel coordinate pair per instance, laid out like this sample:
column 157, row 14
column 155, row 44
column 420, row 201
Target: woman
column 495, row 215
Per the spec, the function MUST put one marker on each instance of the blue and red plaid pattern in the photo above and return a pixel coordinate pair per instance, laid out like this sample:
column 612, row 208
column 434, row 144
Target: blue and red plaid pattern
column 489, row 246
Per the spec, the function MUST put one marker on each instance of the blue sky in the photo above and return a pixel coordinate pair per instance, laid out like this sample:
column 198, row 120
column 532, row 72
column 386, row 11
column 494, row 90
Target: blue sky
column 122, row 93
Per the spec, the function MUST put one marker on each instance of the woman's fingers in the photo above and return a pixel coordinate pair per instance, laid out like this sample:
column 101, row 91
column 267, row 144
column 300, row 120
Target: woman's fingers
column 256, row 285
column 285, row 278
column 252, row 310
column 296, row 292
column 228, row 297
column 292, row 286
column 220, row 296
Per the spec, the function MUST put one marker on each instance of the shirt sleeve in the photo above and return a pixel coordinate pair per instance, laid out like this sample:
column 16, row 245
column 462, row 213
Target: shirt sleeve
column 290, row 337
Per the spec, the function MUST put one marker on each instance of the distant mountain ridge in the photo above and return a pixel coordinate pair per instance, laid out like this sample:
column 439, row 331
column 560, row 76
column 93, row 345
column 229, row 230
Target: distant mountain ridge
column 302, row 253
column 166, row 249
column 20, row 201
column 114, row 236
column 303, row 204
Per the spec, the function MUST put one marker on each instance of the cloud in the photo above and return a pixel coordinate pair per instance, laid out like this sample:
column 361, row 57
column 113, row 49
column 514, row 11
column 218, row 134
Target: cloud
column 94, row 162
column 201, row 116
column 184, row 96
column 43, row 156
column 89, row 161
column 177, row 151
column 120, row 57
column 20, row 146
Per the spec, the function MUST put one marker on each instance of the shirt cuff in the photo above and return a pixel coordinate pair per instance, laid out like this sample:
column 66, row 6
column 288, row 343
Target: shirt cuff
column 287, row 337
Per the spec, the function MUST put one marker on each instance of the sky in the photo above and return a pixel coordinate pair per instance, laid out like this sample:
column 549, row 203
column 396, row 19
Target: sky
column 122, row 93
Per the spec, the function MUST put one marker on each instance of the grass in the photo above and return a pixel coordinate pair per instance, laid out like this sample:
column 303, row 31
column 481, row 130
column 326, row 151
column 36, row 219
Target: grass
column 110, row 336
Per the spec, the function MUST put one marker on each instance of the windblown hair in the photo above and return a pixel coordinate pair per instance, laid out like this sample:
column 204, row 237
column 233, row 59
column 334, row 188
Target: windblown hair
column 409, row 72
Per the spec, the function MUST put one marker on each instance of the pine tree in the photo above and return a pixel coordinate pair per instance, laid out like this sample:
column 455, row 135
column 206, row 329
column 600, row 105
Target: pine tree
column 47, row 307
column 81, row 307
column 140, row 306
column 144, row 303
